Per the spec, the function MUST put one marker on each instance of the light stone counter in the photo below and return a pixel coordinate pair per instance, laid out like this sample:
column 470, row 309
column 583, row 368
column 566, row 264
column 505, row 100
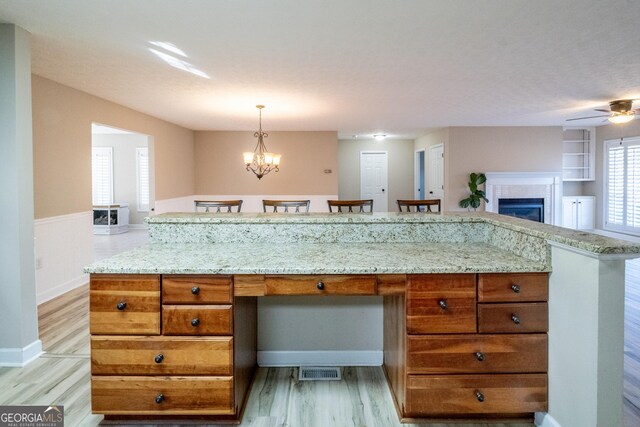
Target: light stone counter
column 314, row 258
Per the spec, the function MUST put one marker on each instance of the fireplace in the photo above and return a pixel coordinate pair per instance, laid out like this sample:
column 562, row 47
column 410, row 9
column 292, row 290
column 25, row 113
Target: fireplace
column 527, row 208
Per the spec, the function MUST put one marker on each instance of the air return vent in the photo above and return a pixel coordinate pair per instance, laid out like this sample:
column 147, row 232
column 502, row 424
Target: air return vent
column 310, row 373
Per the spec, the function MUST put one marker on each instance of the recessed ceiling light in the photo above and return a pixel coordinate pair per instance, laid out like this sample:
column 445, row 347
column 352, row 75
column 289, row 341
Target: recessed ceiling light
column 169, row 47
column 179, row 63
column 379, row 136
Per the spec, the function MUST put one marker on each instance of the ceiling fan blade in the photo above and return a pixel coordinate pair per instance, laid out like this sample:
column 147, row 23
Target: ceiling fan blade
column 600, row 109
column 583, row 118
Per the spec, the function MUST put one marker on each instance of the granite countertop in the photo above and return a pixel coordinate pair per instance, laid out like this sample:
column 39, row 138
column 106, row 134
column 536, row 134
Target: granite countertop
column 315, row 258
column 589, row 242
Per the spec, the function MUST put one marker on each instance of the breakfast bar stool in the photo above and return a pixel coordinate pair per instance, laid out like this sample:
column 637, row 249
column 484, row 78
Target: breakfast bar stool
column 419, row 205
column 286, row 204
column 362, row 204
column 219, row 205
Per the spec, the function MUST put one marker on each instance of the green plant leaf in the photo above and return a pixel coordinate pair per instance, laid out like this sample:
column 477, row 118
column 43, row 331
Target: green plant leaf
column 481, row 179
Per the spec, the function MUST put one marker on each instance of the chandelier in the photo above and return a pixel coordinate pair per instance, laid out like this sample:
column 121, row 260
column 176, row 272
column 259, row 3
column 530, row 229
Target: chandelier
column 260, row 161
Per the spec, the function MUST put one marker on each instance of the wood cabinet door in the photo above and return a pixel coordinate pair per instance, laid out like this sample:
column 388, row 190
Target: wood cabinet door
column 197, row 289
column 320, row 285
column 441, row 303
column 124, row 304
column 513, row 318
column 513, row 287
column 197, row 320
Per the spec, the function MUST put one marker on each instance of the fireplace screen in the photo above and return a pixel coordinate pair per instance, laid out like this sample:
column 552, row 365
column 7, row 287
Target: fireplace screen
column 532, row 209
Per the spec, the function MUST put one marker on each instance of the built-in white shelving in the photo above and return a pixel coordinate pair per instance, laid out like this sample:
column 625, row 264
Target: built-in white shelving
column 578, row 154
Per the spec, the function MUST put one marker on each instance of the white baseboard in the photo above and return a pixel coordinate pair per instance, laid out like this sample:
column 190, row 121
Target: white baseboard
column 61, row 289
column 319, row 358
column 545, row 420
column 19, row 357
column 138, row 227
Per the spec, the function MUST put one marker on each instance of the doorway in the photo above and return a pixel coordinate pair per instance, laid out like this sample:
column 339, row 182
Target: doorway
column 436, row 172
column 373, row 178
column 123, row 174
column 419, row 168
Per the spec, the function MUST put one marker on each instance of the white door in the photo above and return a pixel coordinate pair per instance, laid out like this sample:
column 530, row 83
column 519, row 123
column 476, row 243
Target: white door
column 569, row 212
column 373, row 178
column 585, row 213
column 436, row 172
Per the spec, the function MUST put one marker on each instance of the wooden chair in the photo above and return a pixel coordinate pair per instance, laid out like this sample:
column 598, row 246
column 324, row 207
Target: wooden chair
column 219, row 205
column 419, row 205
column 286, row 204
column 362, row 204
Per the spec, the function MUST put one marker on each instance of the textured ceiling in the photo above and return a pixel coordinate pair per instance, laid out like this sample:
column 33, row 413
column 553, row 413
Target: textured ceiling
column 355, row 66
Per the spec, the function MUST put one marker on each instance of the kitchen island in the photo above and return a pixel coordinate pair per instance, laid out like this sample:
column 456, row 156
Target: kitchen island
column 475, row 283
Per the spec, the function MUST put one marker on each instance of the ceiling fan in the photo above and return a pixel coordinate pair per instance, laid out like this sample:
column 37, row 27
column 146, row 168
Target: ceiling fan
column 620, row 111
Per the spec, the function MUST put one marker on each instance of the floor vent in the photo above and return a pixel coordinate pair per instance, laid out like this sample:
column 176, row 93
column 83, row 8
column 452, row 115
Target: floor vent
column 314, row 373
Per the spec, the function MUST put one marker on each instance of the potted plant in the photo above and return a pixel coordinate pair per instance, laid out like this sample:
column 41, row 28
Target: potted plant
column 476, row 196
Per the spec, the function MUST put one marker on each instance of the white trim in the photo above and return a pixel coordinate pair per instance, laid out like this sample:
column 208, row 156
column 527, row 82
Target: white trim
column 543, row 419
column 58, row 290
column 601, row 257
column 54, row 219
column 319, row 358
column 138, row 227
column 20, row 357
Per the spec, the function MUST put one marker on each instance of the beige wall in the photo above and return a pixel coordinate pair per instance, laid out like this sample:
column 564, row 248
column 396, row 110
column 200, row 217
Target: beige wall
column 125, row 176
column 604, row 133
column 305, row 156
column 62, row 119
column 498, row 149
column 399, row 171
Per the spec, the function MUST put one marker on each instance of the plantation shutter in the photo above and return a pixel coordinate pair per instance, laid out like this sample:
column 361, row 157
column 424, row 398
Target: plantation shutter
column 102, row 175
column 142, row 168
column 623, row 185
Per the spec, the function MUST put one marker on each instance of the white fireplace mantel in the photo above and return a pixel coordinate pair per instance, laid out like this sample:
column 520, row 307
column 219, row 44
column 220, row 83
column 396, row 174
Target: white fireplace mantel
column 544, row 185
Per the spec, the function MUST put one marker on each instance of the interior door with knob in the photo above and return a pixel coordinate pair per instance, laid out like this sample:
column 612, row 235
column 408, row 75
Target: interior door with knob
column 436, row 172
column 373, row 179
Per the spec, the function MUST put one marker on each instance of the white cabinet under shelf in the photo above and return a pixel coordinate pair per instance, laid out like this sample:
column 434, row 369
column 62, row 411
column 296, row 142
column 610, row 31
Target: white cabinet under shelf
column 111, row 219
column 578, row 154
column 578, row 212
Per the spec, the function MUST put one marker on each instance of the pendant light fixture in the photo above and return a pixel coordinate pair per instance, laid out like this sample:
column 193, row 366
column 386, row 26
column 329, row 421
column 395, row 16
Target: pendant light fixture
column 261, row 161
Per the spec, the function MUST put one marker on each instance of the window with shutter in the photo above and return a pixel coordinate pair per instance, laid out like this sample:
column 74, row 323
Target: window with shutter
column 102, row 175
column 142, row 171
column 622, row 178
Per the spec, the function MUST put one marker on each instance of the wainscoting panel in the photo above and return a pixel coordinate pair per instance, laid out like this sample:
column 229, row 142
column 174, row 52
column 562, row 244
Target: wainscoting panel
column 251, row 203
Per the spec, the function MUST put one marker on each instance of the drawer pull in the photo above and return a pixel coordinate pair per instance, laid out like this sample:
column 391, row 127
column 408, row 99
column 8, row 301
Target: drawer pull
column 160, row 398
column 515, row 288
column 121, row 305
column 515, row 319
column 320, row 285
column 480, row 356
column 195, row 322
column 159, row 358
column 195, row 290
column 479, row 396
column 443, row 304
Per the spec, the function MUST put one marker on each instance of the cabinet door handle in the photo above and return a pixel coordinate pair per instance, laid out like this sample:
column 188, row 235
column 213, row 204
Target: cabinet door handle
column 320, row 285
column 195, row 290
column 159, row 358
column 480, row 356
column 515, row 288
column 159, row 398
column 121, row 305
column 195, row 322
column 479, row 396
column 443, row 304
column 515, row 319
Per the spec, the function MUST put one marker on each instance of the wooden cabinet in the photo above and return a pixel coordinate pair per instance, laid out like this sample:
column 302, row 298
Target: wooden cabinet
column 166, row 346
column 578, row 212
column 455, row 356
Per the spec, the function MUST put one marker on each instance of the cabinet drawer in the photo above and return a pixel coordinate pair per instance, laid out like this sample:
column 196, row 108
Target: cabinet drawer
column 320, row 285
column 196, row 289
column 136, row 355
column 124, row 304
column 197, row 320
column 513, row 287
column 441, row 354
column 513, row 318
column 441, row 303
column 162, row 395
column 475, row 394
